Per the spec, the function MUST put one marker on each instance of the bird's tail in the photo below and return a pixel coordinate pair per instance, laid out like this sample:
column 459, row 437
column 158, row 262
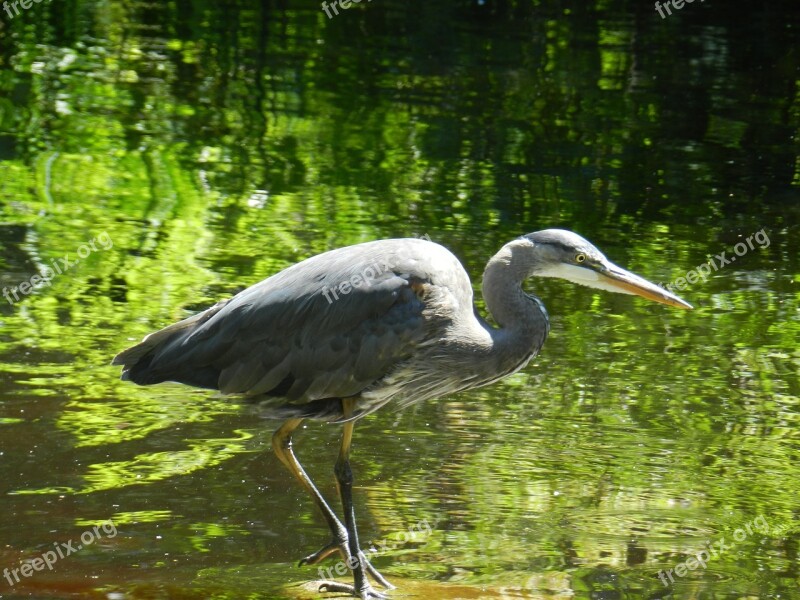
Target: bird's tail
column 137, row 361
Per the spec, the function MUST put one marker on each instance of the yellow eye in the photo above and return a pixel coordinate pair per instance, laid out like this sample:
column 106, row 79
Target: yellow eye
column 580, row 258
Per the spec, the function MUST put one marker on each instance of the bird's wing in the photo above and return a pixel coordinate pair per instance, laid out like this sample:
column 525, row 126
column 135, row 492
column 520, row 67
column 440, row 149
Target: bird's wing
column 302, row 334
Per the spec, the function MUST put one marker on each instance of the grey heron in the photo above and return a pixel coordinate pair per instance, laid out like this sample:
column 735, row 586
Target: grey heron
column 341, row 334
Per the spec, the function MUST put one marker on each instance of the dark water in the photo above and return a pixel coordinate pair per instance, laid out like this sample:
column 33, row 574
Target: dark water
column 176, row 152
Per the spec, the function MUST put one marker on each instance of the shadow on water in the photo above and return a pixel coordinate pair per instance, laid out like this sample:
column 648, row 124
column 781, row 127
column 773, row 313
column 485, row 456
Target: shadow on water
column 156, row 157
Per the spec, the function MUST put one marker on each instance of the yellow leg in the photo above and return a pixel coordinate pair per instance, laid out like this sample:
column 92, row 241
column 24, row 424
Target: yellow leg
column 344, row 477
column 282, row 446
column 345, row 537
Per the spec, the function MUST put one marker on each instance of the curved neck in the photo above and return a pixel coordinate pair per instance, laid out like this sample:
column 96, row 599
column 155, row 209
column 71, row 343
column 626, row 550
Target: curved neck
column 523, row 320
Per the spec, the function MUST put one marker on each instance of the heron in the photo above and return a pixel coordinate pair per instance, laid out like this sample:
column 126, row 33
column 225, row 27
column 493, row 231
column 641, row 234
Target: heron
column 390, row 322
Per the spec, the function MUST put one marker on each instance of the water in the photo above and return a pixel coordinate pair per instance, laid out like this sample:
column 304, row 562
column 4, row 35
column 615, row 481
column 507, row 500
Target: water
column 172, row 154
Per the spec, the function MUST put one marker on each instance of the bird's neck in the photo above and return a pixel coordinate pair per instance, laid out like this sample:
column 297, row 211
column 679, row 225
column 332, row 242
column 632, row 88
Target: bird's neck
column 523, row 320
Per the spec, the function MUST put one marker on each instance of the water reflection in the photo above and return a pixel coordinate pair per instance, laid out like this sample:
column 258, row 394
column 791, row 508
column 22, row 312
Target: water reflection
column 216, row 144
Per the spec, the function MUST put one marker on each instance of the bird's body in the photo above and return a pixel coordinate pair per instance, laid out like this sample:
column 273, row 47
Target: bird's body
column 389, row 322
column 296, row 343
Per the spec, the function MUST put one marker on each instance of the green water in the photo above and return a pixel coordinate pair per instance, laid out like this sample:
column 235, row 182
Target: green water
column 175, row 152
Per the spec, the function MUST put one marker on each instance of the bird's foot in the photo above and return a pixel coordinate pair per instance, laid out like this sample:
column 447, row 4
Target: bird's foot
column 334, row 546
column 363, row 590
column 366, row 592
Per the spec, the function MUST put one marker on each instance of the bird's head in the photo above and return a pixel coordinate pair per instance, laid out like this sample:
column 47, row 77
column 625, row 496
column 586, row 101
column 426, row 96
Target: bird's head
column 566, row 255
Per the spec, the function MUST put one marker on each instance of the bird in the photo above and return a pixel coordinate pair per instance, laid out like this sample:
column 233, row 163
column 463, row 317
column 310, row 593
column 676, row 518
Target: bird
column 382, row 323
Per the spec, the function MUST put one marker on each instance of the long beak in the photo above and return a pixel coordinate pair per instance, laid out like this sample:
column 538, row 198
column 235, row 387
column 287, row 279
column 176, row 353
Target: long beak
column 620, row 280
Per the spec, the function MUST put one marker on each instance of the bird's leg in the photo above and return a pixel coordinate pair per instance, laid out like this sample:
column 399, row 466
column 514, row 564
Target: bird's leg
column 282, row 446
column 358, row 563
column 323, row 553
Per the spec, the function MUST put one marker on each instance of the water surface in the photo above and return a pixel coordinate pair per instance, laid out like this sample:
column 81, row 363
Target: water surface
column 202, row 146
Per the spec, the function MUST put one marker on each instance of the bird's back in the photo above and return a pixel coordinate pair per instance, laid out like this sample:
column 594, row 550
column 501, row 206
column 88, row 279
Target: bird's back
column 330, row 327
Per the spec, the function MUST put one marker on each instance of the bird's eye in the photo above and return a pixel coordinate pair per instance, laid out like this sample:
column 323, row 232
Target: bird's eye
column 580, row 257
